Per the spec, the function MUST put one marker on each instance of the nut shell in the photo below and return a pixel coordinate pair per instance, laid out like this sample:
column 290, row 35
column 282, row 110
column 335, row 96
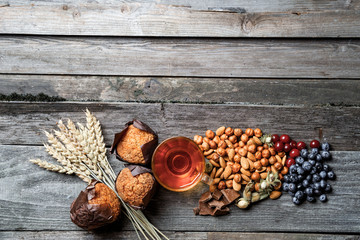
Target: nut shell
column 95, row 207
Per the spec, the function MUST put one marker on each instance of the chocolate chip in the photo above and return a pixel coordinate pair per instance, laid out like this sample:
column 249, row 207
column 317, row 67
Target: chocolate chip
column 205, row 209
column 206, row 196
column 217, row 194
column 230, row 194
column 196, row 210
column 217, row 203
column 220, row 212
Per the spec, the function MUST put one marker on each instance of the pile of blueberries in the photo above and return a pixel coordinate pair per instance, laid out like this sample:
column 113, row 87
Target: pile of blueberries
column 308, row 174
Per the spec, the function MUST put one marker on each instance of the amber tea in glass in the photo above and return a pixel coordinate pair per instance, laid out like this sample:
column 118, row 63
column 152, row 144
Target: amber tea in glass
column 178, row 164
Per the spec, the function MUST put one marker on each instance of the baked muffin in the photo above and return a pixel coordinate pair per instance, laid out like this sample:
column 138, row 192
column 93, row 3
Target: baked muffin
column 95, row 207
column 135, row 144
column 136, row 186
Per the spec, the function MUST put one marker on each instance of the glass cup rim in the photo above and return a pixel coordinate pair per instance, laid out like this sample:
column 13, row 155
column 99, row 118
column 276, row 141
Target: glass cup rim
column 156, row 177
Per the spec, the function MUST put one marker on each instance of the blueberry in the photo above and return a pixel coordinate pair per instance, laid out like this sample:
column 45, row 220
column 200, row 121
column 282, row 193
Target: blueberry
column 310, row 199
column 309, row 191
column 316, row 178
column 306, row 183
column 300, row 186
column 319, row 167
column 291, row 194
column 299, row 160
column 323, row 198
column 317, row 186
column 299, row 195
column 311, row 156
column 300, row 170
column 326, row 167
column 312, row 162
column 306, row 166
column 309, row 178
column 313, row 170
column 328, row 188
column 318, row 157
column 304, row 153
column 325, row 146
column 325, row 155
column 286, row 178
column 294, row 178
column 317, row 192
column 323, row 174
column 292, row 187
column 323, row 184
column 314, row 151
column 300, row 177
column 296, row 201
column 292, row 169
column 331, row 175
column 285, row 187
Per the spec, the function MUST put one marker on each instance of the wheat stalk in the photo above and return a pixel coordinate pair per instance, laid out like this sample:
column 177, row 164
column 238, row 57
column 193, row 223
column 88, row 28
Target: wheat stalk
column 82, row 151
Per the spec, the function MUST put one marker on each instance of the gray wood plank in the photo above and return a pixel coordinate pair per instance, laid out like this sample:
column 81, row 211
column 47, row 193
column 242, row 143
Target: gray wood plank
column 23, row 123
column 189, row 90
column 172, row 235
column 182, row 18
column 34, row 199
column 258, row 58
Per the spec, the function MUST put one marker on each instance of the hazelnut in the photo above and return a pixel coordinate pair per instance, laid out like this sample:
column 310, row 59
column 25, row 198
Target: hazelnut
column 233, row 139
column 258, row 155
column 236, row 167
column 252, row 148
column 237, row 149
column 265, row 146
column 221, row 151
column 198, row 139
column 243, row 152
column 264, row 162
column 224, row 136
column 238, row 132
column 216, row 139
column 257, row 132
column 255, row 176
column 268, row 169
column 272, row 160
column 260, row 148
column 229, row 183
column 257, row 165
column 285, row 170
column 229, row 164
column 205, row 139
column 205, row 146
column 257, row 187
column 220, row 131
column 237, row 177
column 237, row 158
column 278, row 166
column 244, row 138
column 272, row 151
column 277, row 186
column 221, row 185
column 241, row 144
column 265, row 153
column 245, row 147
column 212, row 144
column 222, row 144
column 249, row 132
column 209, row 134
column 281, row 154
column 229, row 131
column 281, row 177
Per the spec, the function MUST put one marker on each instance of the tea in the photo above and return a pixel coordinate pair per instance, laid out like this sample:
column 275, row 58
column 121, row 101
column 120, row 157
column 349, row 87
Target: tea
column 178, row 164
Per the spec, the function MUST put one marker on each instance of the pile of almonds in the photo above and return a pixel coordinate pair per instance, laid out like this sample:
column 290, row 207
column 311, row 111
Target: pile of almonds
column 237, row 157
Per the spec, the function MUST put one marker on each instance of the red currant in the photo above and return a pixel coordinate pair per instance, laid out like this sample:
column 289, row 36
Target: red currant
column 293, row 144
column 301, row 145
column 285, row 138
column 279, row 146
column 289, row 162
column 287, row 147
column 294, row 153
column 275, row 138
column 314, row 144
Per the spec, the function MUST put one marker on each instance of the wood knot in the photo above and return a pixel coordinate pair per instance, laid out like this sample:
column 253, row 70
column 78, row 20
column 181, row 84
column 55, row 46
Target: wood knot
column 65, row 7
column 247, row 25
column 76, row 14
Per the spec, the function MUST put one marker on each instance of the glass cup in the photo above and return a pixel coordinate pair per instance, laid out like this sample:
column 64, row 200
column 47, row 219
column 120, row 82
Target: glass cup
column 178, row 164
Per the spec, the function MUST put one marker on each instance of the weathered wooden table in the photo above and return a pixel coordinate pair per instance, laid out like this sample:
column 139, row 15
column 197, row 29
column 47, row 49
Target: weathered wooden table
column 182, row 67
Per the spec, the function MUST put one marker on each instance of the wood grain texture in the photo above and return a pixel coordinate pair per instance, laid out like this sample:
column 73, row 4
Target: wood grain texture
column 34, row 199
column 23, row 123
column 82, row 235
column 182, row 18
column 187, row 90
column 181, row 57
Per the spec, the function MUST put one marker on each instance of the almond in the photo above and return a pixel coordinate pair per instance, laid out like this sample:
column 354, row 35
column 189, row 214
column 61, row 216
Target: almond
column 216, row 180
column 231, row 176
column 222, row 162
column 206, row 153
column 227, row 172
column 229, row 144
column 243, row 182
column 257, row 141
column 278, row 158
column 220, row 131
column 215, row 164
column 273, row 169
column 251, row 165
column 219, row 172
column 251, row 156
column 275, row 195
column 213, row 172
column 231, row 154
column 236, row 186
column 245, row 172
column 244, row 163
column 283, row 160
column 263, row 175
column 245, row 178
